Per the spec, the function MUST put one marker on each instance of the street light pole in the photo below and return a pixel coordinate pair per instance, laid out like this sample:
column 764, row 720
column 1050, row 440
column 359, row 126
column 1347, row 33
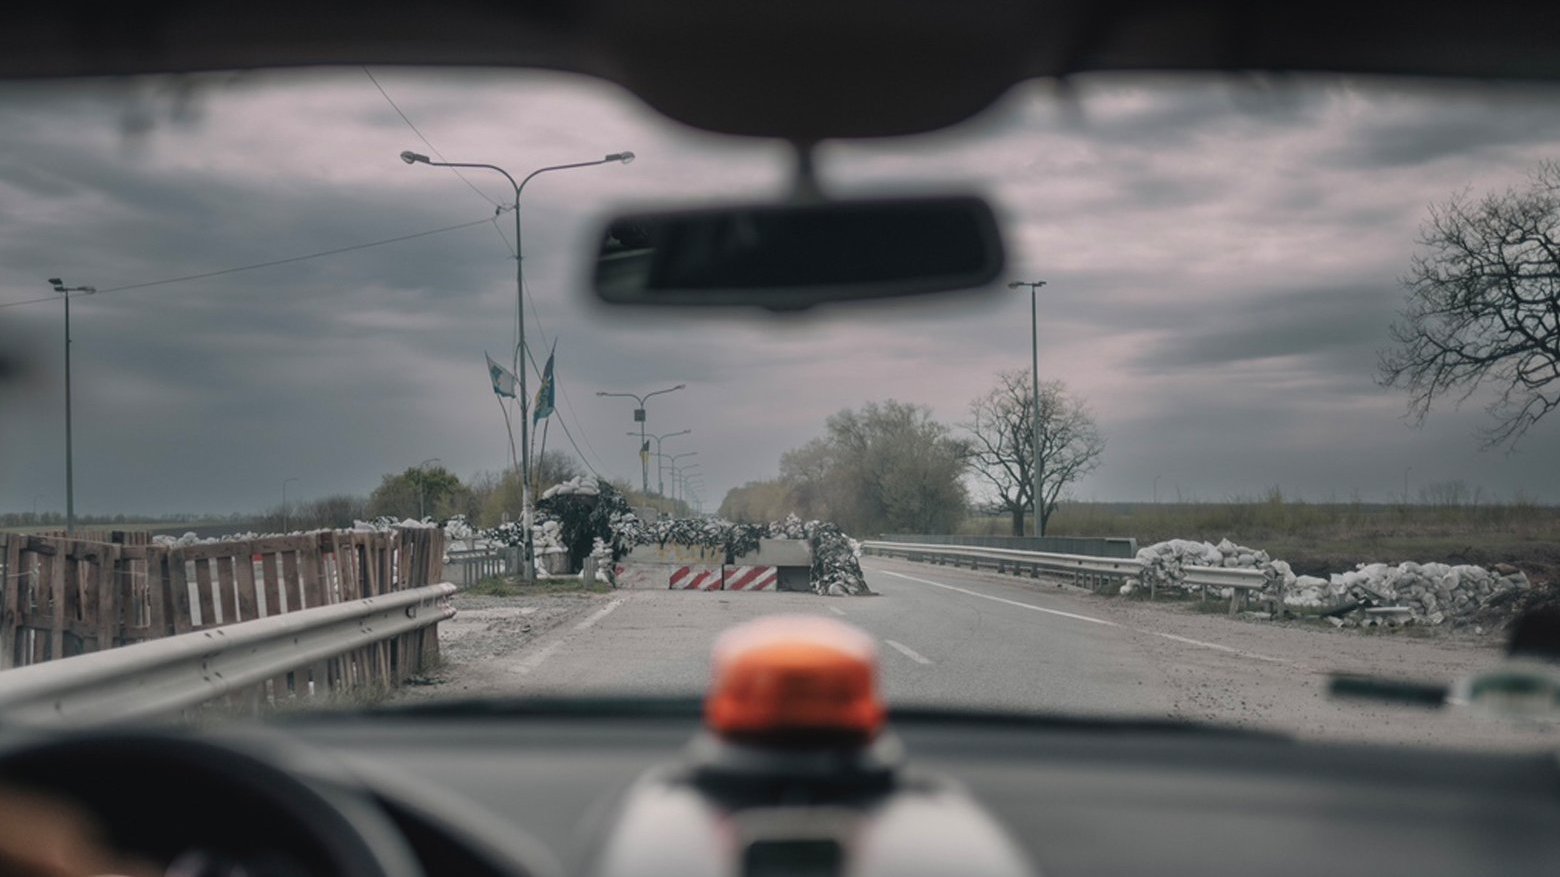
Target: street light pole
column 639, row 415
column 660, row 479
column 70, row 472
column 1034, row 381
column 671, row 462
column 520, row 351
column 285, row 520
column 687, row 477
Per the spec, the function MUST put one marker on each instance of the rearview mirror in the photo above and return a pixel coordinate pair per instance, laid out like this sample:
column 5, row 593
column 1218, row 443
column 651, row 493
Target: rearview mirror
column 786, row 257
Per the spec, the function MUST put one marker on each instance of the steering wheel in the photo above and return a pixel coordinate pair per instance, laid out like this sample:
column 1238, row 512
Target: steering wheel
column 162, row 795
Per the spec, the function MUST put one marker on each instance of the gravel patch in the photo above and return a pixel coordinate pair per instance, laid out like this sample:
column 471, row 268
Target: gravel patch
column 485, row 631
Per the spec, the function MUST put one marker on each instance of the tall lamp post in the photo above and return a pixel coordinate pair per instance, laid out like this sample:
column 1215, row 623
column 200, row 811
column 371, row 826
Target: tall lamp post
column 671, row 462
column 286, row 521
column 639, row 417
column 687, row 478
column 70, row 472
column 524, row 464
column 660, row 480
column 1034, row 379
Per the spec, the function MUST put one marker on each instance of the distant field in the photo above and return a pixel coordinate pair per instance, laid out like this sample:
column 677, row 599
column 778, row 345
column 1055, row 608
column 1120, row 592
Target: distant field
column 1319, row 538
column 203, row 529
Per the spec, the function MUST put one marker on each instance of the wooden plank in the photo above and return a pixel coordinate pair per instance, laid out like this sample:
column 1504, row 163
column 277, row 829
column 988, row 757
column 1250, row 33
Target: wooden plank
column 178, row 592
column 212, row 550
column 271, row 584
column 57, row 574
column 351, row 582
column 371, row 565
column 227, row 586
column 244, row 572
column 10, row 595
column 401, row 554
column 109, row 602
column 319, row 681
column 154, row 593
column 206, row 600
column 435, row 554
column 277, row 544
column 309, row 573
column 342, row 592
column 290, row 581
column 89, row 599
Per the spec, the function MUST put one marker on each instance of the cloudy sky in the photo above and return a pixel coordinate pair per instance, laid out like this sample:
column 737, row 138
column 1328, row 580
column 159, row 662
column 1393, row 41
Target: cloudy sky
column 1222, row 263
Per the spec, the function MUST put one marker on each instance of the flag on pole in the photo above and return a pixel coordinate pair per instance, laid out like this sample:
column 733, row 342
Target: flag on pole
column 503, row 379
column 545, row 394
column 644, row 453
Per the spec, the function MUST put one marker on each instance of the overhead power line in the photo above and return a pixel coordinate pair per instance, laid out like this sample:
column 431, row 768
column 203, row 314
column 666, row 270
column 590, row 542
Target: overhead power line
column 426, row 142
column 256, row 266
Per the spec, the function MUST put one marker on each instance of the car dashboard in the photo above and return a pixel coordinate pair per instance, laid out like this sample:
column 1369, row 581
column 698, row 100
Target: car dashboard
column 490, row 790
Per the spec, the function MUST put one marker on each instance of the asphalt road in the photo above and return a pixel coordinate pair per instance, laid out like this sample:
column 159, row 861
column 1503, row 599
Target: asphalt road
column 951, row 637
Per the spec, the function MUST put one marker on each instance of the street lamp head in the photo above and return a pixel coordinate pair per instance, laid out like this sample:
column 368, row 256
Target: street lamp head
column 56, row 282
column 411, row 157
column 625, row 157
column 1014, row 285
column 679, row 386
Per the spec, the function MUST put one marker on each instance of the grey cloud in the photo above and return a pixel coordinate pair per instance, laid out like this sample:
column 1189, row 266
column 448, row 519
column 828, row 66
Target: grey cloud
column 1216, row 319
column 1332, row 330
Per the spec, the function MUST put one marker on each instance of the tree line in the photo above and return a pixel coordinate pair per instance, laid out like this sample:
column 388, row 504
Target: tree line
column 891, row 467
column 486, row 499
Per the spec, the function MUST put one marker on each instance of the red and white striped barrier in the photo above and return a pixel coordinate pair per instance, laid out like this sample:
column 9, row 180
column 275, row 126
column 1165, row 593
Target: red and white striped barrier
column 695, row 578
column 751, row 578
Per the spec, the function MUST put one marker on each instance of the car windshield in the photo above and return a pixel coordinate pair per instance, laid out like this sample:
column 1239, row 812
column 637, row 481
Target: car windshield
column 1292, row 345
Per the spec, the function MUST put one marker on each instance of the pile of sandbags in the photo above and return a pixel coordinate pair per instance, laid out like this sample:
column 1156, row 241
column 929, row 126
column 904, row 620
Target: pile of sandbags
column 1433, row 593
column 1427, row 593
column 583, row 485
column 1309, row 592
column 1164, row 563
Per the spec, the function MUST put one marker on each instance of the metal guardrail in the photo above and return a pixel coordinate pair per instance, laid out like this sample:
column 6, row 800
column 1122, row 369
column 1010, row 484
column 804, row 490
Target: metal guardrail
column 1093, row 572
column 469, row 567
column 1089, row 546
column 164, row 676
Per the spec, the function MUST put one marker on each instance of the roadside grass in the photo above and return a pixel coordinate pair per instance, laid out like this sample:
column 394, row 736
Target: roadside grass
column 1324, row 538
column 497, row 586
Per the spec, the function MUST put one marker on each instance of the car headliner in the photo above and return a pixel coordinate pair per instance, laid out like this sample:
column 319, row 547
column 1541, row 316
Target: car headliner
column 804, row 70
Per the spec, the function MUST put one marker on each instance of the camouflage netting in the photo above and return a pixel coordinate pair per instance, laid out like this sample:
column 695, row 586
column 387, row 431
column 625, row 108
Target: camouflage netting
column 591, row 518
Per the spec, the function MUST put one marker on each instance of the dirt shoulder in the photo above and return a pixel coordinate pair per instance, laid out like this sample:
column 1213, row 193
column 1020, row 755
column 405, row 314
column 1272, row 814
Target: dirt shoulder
column 489, row 628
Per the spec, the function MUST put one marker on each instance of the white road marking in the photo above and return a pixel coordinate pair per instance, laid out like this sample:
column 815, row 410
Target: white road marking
column 836, row 610
column 1234, row 651
column 1170, row 636
column 908, row 652
column 599, row 614
column 530, row 662
column 1059, row 612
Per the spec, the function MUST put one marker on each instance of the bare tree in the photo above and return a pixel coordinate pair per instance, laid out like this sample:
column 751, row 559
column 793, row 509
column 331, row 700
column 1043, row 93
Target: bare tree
column 1483, row 308
column 1002, row 444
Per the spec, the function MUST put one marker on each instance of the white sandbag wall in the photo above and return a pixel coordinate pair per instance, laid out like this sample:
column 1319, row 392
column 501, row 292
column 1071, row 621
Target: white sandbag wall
column 1431, row 593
